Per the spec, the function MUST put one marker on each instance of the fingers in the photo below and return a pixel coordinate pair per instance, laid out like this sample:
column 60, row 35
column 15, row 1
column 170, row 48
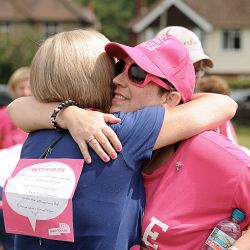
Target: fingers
column 89, row 128
column 101, row 145
column 95, row 145
column 108, row 118
column 105, row 143
column 104, row 147
column 112, row 138
column 85, row 152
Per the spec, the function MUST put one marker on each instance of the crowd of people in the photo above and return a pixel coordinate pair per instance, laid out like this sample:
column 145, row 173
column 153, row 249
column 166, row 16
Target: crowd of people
column 150, row 180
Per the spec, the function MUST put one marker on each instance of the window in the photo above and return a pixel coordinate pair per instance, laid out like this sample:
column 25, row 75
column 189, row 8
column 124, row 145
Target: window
column 4, row 27
column 51, row 29
column 231, row 39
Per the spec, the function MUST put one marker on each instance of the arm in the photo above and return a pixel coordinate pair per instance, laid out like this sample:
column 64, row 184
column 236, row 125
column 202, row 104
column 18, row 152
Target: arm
column 30, row 115
column 205, row 111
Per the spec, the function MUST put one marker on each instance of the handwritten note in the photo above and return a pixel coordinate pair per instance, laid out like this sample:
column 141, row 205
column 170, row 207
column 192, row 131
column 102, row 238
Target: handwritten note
column 41, row 191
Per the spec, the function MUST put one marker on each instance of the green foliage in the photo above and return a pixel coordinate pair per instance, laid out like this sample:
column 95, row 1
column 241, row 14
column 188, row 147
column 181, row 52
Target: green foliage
column 114, row 17
column 243, row 134
column 16, row 51
column 237, row 83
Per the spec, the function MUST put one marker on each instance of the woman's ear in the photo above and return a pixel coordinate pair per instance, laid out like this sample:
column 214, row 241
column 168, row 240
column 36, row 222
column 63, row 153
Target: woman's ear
column 172, row 99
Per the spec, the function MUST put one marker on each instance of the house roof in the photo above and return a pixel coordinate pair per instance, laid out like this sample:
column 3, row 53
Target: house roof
column 223, row 13
column 44, row 10
column 206, row 13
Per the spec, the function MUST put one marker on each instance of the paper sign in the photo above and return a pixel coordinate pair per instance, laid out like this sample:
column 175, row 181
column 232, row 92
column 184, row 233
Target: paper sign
column 37, row 198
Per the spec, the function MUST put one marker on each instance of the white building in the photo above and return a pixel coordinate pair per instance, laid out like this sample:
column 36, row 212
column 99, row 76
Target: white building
column 222, row 25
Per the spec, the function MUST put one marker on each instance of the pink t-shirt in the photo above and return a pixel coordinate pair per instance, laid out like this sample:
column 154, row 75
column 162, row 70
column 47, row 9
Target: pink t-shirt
column 200, row 185
column 10, row 135
column 227, row 130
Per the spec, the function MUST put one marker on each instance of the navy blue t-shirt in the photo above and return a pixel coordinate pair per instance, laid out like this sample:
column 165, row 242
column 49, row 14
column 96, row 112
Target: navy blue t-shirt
column 109, row 198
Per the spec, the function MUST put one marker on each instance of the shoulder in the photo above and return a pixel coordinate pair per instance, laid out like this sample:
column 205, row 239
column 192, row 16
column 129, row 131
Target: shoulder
column 151, row 111
column 143, row 120
column 217, row 148
column 151, row 114
column 40, row 140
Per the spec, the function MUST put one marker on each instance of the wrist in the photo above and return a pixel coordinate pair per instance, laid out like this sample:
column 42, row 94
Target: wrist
column 66, row 117
column 57, row 119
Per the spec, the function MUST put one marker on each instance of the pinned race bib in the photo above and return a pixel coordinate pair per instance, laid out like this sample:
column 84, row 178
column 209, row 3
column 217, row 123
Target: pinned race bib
column 37, row 198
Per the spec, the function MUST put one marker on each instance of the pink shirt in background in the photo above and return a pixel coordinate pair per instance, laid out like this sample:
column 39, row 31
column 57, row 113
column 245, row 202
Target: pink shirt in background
column 227, row 130
column 10, row 135
column 200, row 185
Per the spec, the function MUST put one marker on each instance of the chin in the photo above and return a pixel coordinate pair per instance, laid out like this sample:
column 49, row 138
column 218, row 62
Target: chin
column 114, row 109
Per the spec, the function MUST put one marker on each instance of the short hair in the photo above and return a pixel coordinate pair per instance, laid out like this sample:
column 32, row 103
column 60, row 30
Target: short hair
column 20, row 75
column 213, row 84
column 74, row 65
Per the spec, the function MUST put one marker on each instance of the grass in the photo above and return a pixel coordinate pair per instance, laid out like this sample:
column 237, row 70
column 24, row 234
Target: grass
column 243, row 134
column 236, row 83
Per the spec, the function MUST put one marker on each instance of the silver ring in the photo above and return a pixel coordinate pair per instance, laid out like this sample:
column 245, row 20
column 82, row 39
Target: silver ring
column 91, row 138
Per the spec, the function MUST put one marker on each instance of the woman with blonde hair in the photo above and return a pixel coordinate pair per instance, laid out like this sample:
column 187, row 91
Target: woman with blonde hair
column 19, row 83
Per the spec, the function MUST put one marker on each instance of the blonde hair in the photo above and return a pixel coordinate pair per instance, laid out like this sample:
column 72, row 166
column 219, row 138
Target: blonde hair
column 20, row 75
column 213, row 84
column 74, row 65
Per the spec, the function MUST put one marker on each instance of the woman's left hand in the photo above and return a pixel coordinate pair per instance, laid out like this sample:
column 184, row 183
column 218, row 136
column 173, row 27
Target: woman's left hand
column 90, row 128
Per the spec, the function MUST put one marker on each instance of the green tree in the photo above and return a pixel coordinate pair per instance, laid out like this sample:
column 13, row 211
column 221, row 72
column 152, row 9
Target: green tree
column 114, row 17
column 16, row 51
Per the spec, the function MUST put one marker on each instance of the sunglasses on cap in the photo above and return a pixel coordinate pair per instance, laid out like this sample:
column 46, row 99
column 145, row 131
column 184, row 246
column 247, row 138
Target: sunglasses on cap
column 139, row 77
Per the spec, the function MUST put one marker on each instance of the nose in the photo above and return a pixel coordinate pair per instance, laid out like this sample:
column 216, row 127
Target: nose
column 121, row 80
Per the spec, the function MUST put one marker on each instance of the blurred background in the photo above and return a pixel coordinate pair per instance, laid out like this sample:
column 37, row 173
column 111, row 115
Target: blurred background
column 223, row 27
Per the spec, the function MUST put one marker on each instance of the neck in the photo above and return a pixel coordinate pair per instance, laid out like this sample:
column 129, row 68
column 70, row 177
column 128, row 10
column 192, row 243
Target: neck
column 160, row 157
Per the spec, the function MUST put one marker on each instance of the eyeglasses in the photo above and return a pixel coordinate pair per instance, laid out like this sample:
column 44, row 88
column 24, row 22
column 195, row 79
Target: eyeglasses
column 139, row 77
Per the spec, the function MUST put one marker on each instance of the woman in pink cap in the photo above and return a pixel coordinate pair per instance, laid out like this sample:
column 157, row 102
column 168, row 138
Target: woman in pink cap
column 152, row 73
column 187, row 189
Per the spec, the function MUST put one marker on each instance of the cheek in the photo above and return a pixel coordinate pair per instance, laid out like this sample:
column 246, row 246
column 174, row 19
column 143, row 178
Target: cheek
column 152, row 97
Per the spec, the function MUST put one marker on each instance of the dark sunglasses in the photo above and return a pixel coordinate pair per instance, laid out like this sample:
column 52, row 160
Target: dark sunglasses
column 137, row 76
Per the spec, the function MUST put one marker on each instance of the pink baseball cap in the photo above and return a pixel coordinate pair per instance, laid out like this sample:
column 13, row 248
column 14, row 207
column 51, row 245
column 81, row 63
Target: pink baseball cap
column 165, row 57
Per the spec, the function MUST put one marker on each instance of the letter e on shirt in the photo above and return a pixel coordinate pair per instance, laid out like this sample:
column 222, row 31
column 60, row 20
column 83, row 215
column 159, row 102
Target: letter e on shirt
column 150, row 234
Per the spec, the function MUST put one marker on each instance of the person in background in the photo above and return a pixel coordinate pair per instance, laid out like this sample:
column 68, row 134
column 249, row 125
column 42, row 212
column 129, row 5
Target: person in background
column 18, row 86
column 217, row 84
column 11, row 140
column 5, row 99
column 190, row 40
